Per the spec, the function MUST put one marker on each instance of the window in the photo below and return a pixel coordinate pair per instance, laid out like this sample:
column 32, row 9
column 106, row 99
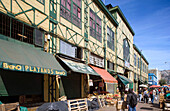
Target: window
column 71, row 10
column 110, row 65
column 110, row 38
column 70, row 50
column 135, row 59
column 134, row 75
column 141, row 65
column 19, row 31
column 126, row 52
column 138, row 62
column 150, row 77
column 95, row 26
column 41, row 1
column 96, row 60
column 38, row 37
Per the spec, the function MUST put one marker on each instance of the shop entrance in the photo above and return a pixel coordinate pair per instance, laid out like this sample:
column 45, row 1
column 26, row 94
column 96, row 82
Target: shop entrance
column 72, row 85
column 14, row 84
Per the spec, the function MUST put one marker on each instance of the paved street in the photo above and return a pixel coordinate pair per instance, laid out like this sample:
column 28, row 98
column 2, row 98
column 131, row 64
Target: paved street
column 148, row 107
column 140, row 107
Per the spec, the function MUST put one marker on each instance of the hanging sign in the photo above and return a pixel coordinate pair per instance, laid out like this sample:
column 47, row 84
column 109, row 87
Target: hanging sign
column 95, row 60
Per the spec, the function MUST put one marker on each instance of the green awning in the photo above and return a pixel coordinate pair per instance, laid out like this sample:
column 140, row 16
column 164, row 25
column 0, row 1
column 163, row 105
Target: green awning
column 124, row 79
column 19, row 56
column 79, row 67
column 131, row 85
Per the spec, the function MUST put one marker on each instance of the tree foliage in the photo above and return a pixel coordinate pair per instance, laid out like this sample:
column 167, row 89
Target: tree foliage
column 162, row 82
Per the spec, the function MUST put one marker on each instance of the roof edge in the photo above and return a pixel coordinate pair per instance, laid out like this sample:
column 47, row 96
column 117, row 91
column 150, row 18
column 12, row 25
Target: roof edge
column 135, row 47
column 116, row 8
column 103, row 7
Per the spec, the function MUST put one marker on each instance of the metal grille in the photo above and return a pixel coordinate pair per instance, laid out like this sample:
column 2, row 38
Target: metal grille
column 15, row 29
column 4, row 25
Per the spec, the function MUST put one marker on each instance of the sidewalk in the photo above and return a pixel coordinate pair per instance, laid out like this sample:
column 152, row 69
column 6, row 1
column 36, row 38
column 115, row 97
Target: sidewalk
column 109, row 108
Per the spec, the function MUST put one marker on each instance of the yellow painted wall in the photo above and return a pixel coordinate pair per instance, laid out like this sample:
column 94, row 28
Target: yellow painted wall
column 122, row 33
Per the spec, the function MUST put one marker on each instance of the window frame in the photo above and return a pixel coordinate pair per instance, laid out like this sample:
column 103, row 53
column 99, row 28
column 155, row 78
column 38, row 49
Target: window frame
column 96, row 24
column 71, row 11
column 126, row 50
column 40, row 1
column 111, row 35
column 138, row 62
column 108, row 65
column 17, row 29
column 135, row 59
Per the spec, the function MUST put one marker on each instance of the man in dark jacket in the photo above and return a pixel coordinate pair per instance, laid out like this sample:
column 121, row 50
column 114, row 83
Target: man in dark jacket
column 131, row 100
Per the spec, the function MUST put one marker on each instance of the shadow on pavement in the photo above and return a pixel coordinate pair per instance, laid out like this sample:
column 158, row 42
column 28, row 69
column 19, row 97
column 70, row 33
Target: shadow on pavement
column 155, row 105
column 144, row 108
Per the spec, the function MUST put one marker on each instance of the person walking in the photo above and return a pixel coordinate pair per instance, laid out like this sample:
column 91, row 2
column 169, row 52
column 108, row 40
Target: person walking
column 154, row 94
column 131, row 100
column 145, row 95
column 140, row 94
column 151, row 96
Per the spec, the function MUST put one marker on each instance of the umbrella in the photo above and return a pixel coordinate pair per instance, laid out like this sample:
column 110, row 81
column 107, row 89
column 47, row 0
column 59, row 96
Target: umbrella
column 142, row 85
column 155, row 86
column 55, row 106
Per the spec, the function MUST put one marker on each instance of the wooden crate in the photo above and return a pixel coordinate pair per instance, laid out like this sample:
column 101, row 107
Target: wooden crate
column 10, row 107
column 32, row 109
column 77, row 105
column 2, row 107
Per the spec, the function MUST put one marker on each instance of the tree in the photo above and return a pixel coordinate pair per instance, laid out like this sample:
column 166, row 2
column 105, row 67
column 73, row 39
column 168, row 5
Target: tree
column 162, row 82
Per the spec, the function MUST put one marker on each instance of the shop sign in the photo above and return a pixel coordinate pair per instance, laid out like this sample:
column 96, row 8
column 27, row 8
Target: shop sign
column 97, row 61
column 34, row 69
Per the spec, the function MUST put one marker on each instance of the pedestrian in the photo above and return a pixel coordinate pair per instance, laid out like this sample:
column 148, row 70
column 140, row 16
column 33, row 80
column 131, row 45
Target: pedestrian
column 159, row 90
column 164, row 90
column 146, row 96
column 154, row 95
column 151, row 95
column 122, row 95
column 131, row 100
column 140, row 94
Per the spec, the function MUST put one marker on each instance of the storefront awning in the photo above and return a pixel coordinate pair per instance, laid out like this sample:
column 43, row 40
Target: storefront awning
column 108, row 78
column 124, row 79
column 79, row 67
column 18, row 56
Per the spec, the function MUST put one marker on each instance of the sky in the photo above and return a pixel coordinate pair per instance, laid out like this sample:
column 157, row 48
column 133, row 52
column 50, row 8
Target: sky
column 150, row 20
